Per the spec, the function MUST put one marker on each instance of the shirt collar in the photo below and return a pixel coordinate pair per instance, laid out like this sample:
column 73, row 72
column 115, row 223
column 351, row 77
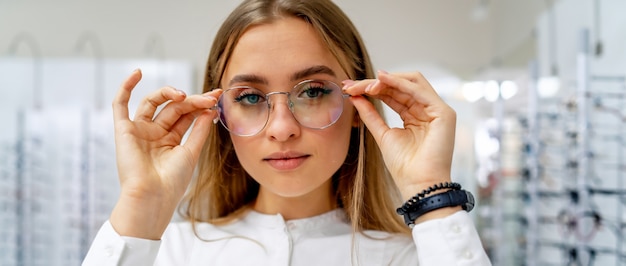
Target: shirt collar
column 336, row 216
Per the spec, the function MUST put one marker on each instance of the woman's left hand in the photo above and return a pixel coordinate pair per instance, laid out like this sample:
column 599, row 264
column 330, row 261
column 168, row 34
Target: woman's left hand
column 420, row 154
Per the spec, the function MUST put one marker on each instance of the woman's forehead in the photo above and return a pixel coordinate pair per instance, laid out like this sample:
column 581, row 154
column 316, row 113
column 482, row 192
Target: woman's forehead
column 282, row 47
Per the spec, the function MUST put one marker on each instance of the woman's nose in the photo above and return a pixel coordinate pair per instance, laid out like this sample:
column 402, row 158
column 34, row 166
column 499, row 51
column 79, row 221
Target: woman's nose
column 282, row 125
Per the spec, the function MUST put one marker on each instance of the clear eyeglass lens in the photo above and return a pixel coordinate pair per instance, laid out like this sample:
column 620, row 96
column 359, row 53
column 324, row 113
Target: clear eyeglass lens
column 316, row 104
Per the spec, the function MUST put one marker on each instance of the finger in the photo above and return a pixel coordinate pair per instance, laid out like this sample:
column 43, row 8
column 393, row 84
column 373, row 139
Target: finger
column 174, row 110
column 120, row 101
column 149, row 104
column 372, row 119
column 395, row 84
column 181, row 126
column 184, row 122
column 410, row 114
column 397, row 100
column 410, row 76
column 390, row 95
column 199, row 133
column 404, row 87
column 399, row 108
column 424, row 102
column 413, row 84
column 364, row 86
column 357, row 87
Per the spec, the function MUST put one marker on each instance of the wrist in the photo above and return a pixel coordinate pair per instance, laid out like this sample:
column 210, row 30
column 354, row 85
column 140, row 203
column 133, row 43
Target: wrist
column 433, row 189
column 141, row 218
column 436, row 201
column 437, row 214
column 408, row 190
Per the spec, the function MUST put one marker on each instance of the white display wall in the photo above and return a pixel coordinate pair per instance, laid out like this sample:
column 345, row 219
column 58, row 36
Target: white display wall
column 58, row 179
column 563, row 202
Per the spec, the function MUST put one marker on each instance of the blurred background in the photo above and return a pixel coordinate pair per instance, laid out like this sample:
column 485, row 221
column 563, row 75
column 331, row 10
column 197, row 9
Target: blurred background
column 539, row 87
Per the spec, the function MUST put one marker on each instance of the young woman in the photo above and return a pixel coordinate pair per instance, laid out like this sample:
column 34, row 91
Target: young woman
column 301, row 168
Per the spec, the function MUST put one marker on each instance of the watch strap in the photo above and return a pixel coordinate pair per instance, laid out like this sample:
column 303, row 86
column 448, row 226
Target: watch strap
column 450, row 198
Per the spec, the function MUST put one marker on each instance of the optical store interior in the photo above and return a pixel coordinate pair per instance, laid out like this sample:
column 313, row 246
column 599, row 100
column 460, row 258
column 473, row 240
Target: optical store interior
column 539, row 88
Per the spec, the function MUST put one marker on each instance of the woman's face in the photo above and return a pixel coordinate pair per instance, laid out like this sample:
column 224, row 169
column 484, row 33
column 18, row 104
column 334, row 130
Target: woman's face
column 285, row 158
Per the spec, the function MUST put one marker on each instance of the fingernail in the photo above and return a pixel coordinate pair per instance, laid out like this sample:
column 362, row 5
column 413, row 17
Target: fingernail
column 382, row 72
column 180, row 92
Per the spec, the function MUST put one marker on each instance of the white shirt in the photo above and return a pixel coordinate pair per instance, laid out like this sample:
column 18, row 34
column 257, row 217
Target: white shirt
column 327, row 239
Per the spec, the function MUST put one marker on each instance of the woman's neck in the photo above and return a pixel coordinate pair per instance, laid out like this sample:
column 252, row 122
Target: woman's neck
column 312, row 204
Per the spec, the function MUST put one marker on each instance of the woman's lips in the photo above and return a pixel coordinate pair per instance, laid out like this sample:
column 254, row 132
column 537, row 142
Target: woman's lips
column 286, row 161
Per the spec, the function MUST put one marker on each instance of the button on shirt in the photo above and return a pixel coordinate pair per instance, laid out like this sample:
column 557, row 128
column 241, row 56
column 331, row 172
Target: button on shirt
column 261, row 239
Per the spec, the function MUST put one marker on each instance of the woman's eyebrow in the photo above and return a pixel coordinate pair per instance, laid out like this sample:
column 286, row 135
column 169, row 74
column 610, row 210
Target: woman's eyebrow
column 309, row 71
column 248, row 78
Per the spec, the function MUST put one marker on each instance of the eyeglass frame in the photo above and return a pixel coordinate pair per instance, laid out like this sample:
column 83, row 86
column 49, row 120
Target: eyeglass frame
column 269, row 108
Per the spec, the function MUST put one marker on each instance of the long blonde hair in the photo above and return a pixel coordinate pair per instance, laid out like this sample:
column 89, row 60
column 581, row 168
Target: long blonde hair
column 222, row 190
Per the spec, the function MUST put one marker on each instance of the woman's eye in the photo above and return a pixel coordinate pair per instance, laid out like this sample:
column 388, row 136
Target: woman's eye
column 249, row 98
column 314, row 92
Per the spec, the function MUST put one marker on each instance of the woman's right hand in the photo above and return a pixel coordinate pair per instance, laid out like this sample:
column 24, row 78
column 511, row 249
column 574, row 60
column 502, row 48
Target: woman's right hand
column 153, row 166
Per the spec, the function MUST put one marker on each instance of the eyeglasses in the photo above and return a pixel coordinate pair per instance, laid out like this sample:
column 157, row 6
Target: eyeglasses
column 316, row 104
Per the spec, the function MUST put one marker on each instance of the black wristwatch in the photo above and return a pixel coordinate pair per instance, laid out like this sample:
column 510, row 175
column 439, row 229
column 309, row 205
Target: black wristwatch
column 450, row 198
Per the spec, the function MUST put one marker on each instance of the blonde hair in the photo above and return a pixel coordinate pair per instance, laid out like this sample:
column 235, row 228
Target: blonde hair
column 222, row 190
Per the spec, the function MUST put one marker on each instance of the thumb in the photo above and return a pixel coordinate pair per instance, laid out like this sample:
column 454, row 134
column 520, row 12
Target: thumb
column 370, row 116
